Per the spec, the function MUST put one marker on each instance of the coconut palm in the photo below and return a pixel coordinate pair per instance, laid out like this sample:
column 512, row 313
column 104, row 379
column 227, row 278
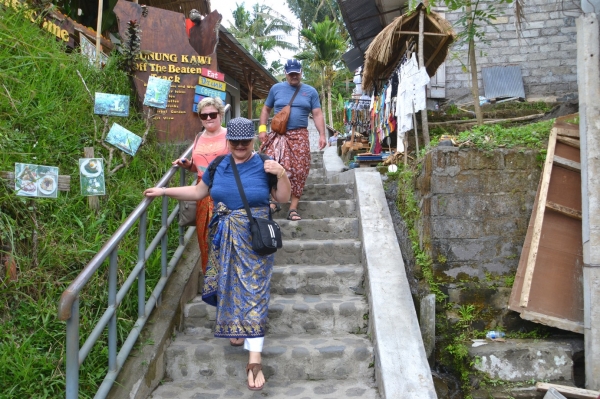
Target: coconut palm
column 324, row 48
column 261, row 30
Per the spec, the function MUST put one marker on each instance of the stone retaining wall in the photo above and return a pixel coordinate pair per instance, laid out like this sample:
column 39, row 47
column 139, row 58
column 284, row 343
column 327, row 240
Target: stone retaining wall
column 476, row 207
column 546, row 51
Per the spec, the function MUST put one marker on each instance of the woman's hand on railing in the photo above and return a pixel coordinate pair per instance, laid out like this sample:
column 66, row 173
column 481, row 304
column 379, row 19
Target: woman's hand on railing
column 182, row 163
column 154, row 192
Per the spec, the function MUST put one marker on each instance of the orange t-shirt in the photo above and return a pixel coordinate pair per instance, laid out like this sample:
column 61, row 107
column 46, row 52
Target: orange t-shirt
column 207, row 149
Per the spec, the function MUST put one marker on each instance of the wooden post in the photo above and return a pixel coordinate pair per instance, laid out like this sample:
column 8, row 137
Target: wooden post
column 416, row 132
column 93, row 201
column 424, row 125
column 250, row 83
column 98, row 32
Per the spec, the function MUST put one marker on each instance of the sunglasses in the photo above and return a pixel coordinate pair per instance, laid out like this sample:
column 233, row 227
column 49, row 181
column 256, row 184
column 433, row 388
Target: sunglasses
column 213, row 115
column 244, row 143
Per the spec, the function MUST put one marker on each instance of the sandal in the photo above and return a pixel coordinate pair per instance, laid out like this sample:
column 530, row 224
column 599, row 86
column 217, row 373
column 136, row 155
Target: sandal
column 233, row 343
column 274, row 207
column 255, row 368
column 293, row 215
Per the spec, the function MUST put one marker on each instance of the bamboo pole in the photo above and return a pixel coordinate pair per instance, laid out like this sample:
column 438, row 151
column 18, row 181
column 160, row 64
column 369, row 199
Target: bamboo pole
column 98, row 31
column 424, row 125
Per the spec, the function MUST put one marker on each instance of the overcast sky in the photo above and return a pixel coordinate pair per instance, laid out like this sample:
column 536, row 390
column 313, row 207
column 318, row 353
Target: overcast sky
column 226, row 7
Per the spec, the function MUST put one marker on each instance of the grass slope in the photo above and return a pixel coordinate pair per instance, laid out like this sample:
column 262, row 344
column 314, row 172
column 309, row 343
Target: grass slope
column 46, row 118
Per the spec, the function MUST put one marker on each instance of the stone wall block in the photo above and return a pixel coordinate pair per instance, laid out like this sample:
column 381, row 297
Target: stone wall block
column 456, row 228
column 479, row 160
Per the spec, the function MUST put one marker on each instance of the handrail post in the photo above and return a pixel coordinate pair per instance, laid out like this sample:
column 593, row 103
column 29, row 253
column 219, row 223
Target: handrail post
column 112, row 301
column 181, row 184
column 141, row 258
column 72, row 373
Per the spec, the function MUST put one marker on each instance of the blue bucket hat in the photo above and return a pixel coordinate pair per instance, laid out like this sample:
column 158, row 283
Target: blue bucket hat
column 240, row 129
column 293, row 66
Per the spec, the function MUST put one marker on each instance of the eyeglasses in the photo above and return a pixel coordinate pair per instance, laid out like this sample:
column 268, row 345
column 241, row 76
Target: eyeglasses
column 244, row 143
column 213, row 115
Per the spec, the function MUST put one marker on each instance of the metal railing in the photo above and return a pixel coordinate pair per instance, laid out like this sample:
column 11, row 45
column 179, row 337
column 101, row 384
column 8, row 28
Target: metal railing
column 68, row 307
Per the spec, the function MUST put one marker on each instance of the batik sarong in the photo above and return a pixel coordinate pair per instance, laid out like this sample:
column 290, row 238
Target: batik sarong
column 237, row 280
column 292, row 151
column 204, row 209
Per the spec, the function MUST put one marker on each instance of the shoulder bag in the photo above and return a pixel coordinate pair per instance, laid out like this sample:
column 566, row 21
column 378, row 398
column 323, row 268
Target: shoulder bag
column 187, row 209
column 279, row 121
column 266, row 235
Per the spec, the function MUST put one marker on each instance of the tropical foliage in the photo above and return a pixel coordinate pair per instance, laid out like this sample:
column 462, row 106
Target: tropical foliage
column 260, row 31
column 323, row 51
column 309, row 11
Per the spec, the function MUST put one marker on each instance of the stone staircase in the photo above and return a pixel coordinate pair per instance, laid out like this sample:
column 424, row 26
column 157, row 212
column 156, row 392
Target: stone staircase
column 316, row 345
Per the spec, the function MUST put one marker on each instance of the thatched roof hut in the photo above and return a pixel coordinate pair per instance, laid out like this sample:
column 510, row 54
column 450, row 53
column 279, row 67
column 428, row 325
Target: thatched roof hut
column 388, row 47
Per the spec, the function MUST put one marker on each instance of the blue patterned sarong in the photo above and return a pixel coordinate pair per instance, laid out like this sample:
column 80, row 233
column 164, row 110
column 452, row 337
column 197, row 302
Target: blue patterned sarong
column 237, row 280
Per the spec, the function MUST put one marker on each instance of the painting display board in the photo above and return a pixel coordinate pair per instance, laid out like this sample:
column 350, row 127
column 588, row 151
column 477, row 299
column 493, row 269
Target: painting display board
column 91, row 176
column 36, row 180
column 168, row 54
column 157, row 92
column 89, row 50
column 111, row 104
column 123, row 139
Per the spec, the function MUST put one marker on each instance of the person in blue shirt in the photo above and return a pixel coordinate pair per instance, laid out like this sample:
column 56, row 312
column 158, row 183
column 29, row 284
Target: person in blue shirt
column 292, row 149
column 237, row 279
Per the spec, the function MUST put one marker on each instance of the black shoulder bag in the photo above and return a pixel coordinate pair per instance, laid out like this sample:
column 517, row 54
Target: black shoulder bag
column 266, row 235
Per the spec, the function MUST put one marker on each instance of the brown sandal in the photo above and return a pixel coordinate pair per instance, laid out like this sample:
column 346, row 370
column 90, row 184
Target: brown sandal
column 255, row 368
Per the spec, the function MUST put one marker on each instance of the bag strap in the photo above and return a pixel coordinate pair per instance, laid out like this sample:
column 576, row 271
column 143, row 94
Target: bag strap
column 240, row 188
column 295, row 93
column 212, row 168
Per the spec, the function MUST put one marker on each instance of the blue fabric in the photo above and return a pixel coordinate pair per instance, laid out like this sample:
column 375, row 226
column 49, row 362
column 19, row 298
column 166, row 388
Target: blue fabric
column 254, row 180
column 306, row 100
column 237, row 280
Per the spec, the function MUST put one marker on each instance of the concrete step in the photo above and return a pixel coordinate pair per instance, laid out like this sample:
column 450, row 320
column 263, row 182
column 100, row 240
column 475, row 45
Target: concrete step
column 297, row 314
column 319, row 229
column 319, row 192
column 345, row 208
column 237, row 388
column 319, row 252
column 318, row 314
column 201, row 357
column 315, row 280
column 316, row 172
column 316, row 180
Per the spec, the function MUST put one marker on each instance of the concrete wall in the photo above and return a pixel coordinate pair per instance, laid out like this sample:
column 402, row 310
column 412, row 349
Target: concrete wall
column 546, row 51
column 475, row 211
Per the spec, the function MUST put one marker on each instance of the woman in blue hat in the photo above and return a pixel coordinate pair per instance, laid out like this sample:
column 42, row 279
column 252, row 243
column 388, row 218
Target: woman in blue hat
column 237, row 279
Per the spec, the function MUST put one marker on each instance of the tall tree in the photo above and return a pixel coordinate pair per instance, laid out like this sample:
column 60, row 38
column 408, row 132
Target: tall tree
column 476, row 16
column 260, row 31
column 324, row 48
column 309, row 11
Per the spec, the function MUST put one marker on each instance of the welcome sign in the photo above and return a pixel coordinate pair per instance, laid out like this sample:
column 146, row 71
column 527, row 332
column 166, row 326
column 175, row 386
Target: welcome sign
column 166, row 53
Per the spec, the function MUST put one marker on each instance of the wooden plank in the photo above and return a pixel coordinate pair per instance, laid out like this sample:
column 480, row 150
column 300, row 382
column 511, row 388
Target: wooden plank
column 565, row 210
column 567, row 163
column 569, row 392
column 64, row 181
column 539, row 219
column 557, row 322
column 568, row 141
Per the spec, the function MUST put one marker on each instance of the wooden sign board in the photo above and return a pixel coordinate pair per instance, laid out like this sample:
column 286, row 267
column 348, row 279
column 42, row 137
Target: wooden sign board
column 168, row 54
column 204, row 91
column 62, row 28
column 212, row 74
column 213, row 84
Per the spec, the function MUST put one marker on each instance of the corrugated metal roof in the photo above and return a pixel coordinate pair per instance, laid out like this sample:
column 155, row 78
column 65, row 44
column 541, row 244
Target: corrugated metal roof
column 503, row 81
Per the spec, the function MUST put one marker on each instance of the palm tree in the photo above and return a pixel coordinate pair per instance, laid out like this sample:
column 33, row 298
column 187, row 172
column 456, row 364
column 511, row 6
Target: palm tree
column 309, row 11
column 260, row 31
column 325, row 46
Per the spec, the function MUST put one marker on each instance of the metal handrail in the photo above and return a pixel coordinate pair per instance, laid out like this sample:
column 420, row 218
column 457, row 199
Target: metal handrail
column 68, row 307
